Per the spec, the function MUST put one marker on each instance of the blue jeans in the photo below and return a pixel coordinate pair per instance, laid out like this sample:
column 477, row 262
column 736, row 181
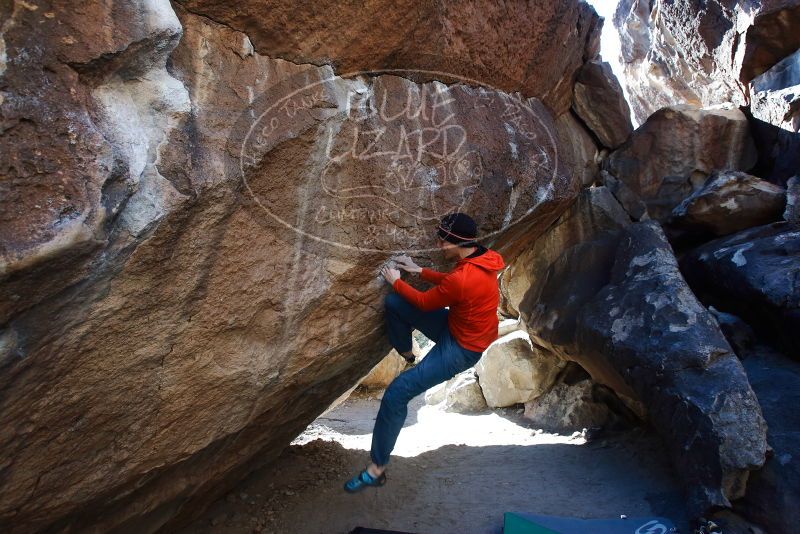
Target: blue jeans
column 444, row 361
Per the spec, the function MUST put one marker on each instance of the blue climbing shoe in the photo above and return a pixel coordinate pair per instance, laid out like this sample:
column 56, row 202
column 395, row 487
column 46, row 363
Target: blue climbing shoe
column 362, row 480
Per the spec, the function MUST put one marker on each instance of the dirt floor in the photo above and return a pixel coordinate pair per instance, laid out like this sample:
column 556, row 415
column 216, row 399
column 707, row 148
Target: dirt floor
column 450, row 473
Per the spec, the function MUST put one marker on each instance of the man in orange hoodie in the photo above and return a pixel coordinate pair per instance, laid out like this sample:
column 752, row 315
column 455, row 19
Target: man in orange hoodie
column 461, row 333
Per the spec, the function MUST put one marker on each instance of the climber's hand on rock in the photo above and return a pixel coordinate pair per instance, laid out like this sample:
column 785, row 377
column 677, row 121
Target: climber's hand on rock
column 390, row 274
column 407, row 264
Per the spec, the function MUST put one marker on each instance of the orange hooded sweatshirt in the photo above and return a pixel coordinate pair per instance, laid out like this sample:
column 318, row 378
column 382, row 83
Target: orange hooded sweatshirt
column 470, row 290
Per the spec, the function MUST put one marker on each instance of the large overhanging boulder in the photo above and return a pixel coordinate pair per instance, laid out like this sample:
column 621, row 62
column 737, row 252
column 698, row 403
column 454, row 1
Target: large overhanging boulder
column 187, row 283
column 536, row 50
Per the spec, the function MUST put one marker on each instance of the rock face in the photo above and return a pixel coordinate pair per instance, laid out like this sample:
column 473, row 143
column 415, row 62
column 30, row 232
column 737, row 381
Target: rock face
column 72, row 153
column 700, row 53
column 186, row 282
column 775, row 107
column 776, row 94
column 460, row 394
column 513, row 371
column 728, row 202
column 567, row 408
column 629, row 200
column 387, row 370
column 536, row 51
column 672, row 154
column 753, row 274
column 615, row 302
column 583, row 154
column 599, row 102
column 774, row 491
column 792, row 212
column 738, row 333
column 594, row 212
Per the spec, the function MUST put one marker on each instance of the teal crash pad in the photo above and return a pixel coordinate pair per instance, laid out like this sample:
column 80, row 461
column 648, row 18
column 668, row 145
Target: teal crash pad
column 522, row 523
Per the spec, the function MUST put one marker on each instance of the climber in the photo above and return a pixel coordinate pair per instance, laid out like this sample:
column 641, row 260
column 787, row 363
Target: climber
column 461, row 333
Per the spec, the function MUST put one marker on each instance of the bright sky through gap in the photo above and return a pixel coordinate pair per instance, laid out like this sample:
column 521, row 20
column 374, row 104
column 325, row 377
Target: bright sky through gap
column 609, row 40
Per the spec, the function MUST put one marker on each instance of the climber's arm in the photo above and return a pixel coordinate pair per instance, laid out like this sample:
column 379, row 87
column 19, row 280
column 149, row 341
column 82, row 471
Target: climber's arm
column 447, row 292
column 432, row 276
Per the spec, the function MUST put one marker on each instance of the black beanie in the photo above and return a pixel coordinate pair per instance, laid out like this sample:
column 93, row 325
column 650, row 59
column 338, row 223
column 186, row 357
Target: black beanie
column 458, row 228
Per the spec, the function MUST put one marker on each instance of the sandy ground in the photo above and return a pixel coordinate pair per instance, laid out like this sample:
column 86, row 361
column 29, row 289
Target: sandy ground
column 450, row 473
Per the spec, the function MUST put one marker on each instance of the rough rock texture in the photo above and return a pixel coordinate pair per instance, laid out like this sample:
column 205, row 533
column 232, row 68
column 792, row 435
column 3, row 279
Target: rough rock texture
column 513, row 371
column 700, row 53
column 672, row 154
column 775, row 109
column 753, row 274
column 507, row 326
column 728, row 202
column 178, row 301
column 738, row 333
column 599, row 102
column 83, row 118
column 537, row 51
column 567, row 408
column 593, row 212
column 561, row 174
column 616, row 303
column 792, row 211
column 774, row 491
column 387, row 370
column 581, row 153
column 776, row 94
column 629, row 200
column 460, row 394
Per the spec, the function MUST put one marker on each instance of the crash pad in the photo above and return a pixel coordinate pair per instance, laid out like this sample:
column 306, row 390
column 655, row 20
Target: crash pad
column 523, row 523
column 364, row 530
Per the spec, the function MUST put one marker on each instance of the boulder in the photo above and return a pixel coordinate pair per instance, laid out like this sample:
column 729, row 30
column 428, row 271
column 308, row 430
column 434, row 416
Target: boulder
column 479, row 39
column 513, row 371
column 617, row 304
column 792, row 212
column 700, row 53
column 670, row 156
column 595, row 211
column 753, row 274
column 729, row 202
column 566, row 409
column 774, row 491
column 775, row 109
column 436, row 394
column 601, row 105
column 507, row 326
column 69, row 167
column 385, row 371
column 460, row 394
column 581, row 150
column 738, row 333
column 165, row 236
column 630, row 201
